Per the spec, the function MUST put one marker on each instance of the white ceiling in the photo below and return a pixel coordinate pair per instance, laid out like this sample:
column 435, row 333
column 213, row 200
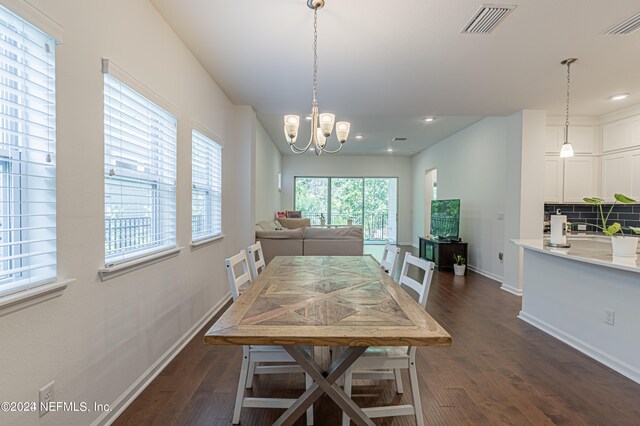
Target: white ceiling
column 386, row 65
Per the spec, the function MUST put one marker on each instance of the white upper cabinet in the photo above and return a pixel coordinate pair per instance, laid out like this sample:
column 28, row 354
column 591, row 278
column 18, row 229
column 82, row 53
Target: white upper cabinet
column 621, row 134
column 580, row 179
column 582, row 138
column 553, row 176
column 615, row 175
column 635, row 175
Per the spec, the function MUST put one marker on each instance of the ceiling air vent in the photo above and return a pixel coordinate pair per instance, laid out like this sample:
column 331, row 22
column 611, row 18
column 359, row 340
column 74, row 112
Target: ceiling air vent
column 399, row 139
column 625, row 27
column 487, row 18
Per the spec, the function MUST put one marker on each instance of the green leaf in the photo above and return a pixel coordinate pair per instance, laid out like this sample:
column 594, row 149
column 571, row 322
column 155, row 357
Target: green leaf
column 593, row 200
column 613, row 229
column 636, row 230
column 624, row 199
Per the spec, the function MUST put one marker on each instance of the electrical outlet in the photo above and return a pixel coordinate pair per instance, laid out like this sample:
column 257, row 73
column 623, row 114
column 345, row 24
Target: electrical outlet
column 500, row 215
column 609, row 317
column 582, row 227
column 46, row 396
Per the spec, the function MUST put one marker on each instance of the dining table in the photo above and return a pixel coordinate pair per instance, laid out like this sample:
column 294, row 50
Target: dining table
column 347, row 301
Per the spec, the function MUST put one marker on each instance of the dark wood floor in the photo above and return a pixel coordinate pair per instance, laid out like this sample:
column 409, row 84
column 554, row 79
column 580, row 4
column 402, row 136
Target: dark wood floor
column 499, row 370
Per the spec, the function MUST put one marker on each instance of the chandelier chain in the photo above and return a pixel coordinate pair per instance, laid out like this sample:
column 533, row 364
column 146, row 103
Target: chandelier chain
column 566, row 122
column 315, row 57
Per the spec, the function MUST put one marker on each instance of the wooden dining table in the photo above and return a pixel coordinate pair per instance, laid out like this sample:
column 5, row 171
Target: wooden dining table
column 348, row 301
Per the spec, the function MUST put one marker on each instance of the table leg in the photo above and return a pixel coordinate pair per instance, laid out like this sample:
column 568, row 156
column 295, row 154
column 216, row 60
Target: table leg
column 325, row 383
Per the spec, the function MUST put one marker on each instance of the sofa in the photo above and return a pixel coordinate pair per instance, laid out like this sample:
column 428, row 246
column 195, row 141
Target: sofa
column 296, row 237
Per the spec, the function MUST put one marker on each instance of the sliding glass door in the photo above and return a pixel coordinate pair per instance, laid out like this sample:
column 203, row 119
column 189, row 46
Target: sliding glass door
column 367, row 202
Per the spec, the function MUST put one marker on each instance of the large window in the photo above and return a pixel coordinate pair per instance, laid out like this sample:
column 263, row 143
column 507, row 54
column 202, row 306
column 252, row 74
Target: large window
column 206, row 193
column 27, row 155
column 139, row 174
column 367, row 202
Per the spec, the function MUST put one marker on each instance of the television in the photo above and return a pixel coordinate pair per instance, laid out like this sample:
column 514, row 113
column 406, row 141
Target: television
column 445, row 219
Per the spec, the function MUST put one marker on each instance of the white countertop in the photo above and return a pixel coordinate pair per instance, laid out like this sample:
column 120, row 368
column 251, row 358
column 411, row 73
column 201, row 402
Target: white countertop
column 595, row 250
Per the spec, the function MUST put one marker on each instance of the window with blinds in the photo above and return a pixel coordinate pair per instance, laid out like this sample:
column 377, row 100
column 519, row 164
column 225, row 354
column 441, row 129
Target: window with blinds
column 206, row 193
column 139, row 174
column 27, row 155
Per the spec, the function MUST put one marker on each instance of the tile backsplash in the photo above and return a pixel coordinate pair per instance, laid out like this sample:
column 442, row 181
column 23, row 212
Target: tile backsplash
column 626, row 214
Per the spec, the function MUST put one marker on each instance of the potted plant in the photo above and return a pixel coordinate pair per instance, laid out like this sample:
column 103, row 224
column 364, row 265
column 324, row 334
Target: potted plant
column 322, row 219
column 622, row 245
column 459, row 264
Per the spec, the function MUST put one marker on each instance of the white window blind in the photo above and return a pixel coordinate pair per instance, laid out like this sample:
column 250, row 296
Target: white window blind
column 139, row 174
column 206, row 195
column 27, row 155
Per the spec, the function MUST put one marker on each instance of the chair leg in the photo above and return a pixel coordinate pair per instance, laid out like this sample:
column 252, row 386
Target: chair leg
column 398, row 375
column 241, row 386
column 309, row 382
column 348, row 378
column 250, row 374
column 415, row 394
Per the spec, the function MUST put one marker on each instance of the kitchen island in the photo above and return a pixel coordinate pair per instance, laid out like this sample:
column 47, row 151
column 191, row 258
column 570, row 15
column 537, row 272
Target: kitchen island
column 586, row 298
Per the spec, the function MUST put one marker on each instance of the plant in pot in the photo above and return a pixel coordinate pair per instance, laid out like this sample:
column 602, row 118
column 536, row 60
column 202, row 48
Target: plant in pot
column 623, row 246
column 459, row 264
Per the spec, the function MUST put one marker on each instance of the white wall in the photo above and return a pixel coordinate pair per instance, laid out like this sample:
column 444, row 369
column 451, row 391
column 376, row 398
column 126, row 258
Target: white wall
column 98, row 338
column 353, row 166
column 471, row 166
column 268, row 165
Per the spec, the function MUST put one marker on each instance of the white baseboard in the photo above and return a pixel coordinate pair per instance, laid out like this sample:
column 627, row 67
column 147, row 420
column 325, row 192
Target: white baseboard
column 605, row 358
column 511, row 289
column 485, row 273
column 124, row 400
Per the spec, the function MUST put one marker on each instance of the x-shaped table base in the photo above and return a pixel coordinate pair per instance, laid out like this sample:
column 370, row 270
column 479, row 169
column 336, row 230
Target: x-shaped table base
column 325, row 383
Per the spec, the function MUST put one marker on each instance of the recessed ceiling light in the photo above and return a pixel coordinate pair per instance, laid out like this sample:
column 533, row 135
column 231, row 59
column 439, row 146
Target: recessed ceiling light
column 359, row 136
column 619, row 96
column 429, row 119
column 389, row 149
column 308, row 117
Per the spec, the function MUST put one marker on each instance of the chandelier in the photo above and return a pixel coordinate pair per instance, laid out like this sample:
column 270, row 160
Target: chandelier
column 321, row 124
column 567, row 150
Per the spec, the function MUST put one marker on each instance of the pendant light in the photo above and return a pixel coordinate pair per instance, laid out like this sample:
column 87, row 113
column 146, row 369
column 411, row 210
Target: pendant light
column 567, row 150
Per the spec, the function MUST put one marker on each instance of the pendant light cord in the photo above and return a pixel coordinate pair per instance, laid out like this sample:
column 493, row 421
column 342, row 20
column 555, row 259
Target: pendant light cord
column 566, row 122
column 315, row 57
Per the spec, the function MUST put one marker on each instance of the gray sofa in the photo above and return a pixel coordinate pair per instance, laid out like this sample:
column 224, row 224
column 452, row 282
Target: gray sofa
column 295, row 237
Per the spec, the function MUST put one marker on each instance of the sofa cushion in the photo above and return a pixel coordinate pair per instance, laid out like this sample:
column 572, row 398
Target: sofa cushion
column 268, row 225
column 343, row 233
column 283, row 234
column 294, row 223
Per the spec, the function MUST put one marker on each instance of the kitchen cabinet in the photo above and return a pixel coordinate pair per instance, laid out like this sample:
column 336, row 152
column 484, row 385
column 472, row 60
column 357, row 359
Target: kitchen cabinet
column 553, row 179
column 615, row 175
column 635, row 175
column 621, row 134
column 580, row 179
column 583, row 139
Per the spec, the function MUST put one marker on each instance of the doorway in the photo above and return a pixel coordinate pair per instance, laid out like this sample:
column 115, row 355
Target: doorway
column 430, row 194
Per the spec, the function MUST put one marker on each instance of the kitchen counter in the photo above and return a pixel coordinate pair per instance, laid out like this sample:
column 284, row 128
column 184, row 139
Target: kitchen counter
column 588, row 248
column 586, row 298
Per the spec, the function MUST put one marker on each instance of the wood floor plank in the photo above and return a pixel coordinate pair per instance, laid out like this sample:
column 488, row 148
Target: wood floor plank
column 498, row 371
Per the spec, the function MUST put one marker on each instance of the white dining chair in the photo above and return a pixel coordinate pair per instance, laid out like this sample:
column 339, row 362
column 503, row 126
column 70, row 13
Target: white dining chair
column 389, row 258
column 256, row 259
column 376, row 362
column 253, row 355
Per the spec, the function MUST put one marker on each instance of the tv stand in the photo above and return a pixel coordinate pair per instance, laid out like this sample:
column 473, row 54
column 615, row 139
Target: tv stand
column 442, row 252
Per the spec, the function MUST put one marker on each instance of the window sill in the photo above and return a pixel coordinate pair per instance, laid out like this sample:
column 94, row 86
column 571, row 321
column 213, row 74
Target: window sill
column 205, row 242
column 133, row 265
column 25, row 298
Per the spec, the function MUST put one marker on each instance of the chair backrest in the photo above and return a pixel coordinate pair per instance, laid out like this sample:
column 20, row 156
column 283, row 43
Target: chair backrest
column 235, row 282
column 389, row 258
column 421, row 288
column 258, row 265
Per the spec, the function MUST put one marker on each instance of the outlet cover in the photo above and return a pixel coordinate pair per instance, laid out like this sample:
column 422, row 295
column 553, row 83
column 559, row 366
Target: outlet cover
column 609, row 317
column 500, row 215
column 582, row 227
column 45, row 397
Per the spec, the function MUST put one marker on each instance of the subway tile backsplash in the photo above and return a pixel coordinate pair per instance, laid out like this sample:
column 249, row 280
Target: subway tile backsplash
column 626, row 214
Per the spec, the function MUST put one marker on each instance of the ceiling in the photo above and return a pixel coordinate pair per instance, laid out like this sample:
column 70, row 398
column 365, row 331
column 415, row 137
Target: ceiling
column 385, row 66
